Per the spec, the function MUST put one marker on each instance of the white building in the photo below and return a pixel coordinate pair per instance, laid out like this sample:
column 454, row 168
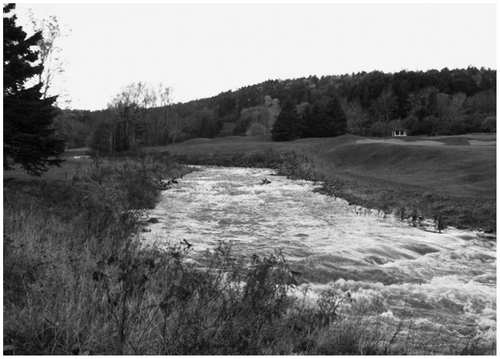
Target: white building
column 399, row 132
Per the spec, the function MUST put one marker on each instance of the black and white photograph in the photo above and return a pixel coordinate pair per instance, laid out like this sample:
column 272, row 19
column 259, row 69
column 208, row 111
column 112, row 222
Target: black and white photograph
column 250, row 178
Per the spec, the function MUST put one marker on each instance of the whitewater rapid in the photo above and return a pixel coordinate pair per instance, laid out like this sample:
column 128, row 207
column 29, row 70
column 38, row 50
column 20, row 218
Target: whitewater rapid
column 446, row 281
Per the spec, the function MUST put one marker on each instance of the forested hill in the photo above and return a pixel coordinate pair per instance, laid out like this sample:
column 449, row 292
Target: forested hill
column 372, row 100
column 434, row 102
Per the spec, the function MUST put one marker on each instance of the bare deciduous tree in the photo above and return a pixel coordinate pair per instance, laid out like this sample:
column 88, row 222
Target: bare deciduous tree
column 143, row 116
column 50, row 53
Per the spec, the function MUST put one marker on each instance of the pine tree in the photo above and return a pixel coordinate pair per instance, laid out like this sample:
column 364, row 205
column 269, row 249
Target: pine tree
column 288, row 126
column 314, row 120
column 336, row 118
column 29, row 136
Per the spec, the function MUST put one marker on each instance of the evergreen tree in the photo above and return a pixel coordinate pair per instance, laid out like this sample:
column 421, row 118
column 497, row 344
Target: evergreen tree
column 314, row 120
column 29, row 136
column 335, row 119
column 288, row 126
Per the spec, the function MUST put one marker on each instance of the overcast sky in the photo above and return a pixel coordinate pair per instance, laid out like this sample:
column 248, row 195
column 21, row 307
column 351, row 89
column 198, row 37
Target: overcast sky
column 201, row 50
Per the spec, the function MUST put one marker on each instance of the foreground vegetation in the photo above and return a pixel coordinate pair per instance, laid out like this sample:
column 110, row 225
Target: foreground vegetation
column 77, row 281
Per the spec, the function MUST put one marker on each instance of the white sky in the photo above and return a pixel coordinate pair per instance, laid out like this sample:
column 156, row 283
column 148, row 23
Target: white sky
column 203, row 49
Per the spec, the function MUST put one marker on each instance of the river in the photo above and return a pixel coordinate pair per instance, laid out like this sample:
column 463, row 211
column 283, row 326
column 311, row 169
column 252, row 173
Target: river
column 445, row 281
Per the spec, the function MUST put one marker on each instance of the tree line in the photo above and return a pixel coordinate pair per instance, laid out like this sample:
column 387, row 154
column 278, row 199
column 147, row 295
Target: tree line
column 425, row 103
column 445, row 102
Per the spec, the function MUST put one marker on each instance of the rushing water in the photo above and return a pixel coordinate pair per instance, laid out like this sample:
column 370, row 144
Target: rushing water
column 446, row 281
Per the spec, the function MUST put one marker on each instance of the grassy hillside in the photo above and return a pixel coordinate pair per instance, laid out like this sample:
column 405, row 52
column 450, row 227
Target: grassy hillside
column 454, row 176
column 458, row 170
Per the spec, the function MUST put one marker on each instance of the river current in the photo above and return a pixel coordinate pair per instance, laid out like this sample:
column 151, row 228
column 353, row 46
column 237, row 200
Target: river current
column 445, row 281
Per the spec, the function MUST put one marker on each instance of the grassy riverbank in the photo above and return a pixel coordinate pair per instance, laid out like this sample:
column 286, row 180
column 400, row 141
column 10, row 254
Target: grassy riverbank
column 76, row 280
column 410, row 177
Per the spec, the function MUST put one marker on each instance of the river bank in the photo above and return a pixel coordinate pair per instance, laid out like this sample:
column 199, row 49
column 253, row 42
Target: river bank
column 77, row 282
column 444, row 281
column 407, row 202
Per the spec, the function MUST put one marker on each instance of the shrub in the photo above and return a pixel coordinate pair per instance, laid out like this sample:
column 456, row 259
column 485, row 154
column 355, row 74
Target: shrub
column 380, row 129
column 489, row 124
